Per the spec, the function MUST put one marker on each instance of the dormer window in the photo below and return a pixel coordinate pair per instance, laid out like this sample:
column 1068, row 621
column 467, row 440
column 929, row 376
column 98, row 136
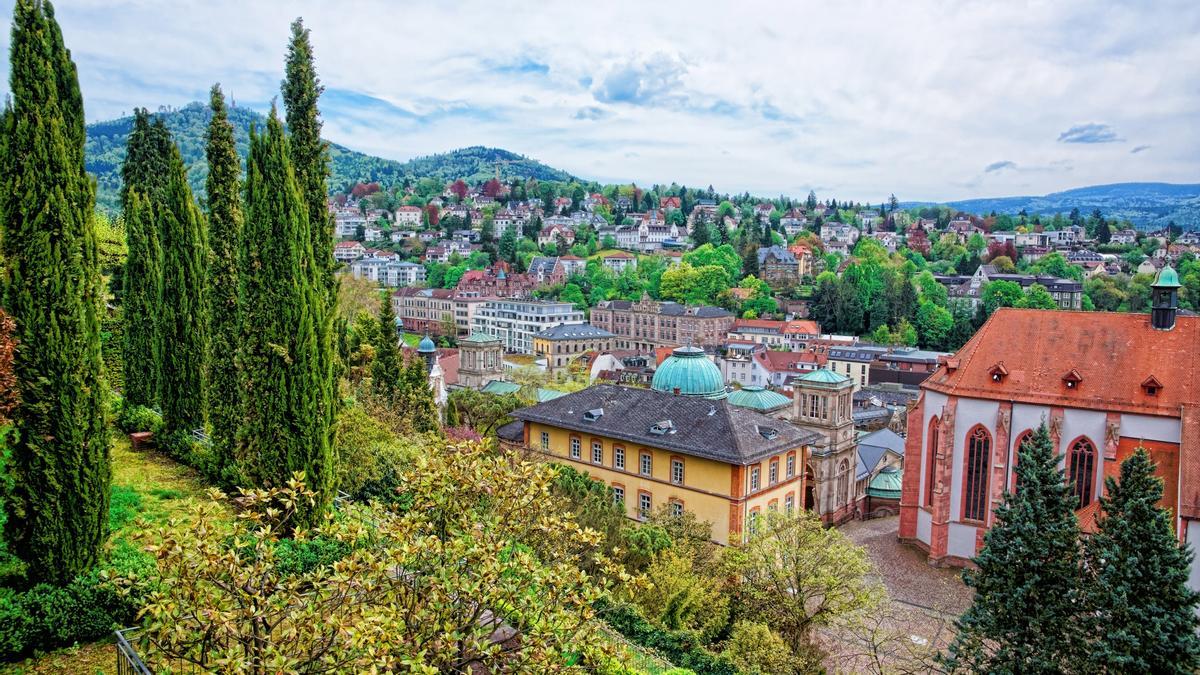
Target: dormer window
column 662, row 428
column 998, row 372
column 593, row 414
column 1072, row 379
column 768, row 433
column 1151, row 386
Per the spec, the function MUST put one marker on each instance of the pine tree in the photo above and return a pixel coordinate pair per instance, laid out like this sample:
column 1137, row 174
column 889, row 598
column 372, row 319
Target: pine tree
column 144, row 174
column 225, row 243
column 184, row 313
column 58, row 507
column 287, row 428
column 1026, row 612
column 417, row 397
column 1143, row 614
column 385, row 369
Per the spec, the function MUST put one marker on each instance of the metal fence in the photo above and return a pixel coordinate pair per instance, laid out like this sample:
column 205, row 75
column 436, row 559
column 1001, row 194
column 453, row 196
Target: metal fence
column 128, row 661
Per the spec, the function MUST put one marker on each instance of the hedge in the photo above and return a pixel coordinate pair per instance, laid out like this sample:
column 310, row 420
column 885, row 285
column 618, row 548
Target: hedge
column 681, row 648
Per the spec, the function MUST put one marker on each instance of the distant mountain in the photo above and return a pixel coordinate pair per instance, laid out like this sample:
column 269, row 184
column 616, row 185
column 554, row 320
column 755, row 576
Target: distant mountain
column 105, row 151
column 1149, row 205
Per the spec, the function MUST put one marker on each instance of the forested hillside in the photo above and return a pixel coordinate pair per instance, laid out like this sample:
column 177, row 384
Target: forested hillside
column 106, row 141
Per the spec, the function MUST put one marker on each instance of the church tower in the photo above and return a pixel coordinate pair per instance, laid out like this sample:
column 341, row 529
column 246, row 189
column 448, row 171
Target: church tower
column 480, row 360
column 824, row 403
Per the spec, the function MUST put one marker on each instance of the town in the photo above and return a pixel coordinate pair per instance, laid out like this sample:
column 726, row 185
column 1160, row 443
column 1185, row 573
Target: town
column 272, row 404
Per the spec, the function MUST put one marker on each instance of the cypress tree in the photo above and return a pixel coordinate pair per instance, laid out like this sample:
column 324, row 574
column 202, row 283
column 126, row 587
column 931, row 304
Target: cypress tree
column 1143, row 613
column 225, row 242
column 1025, row 616
column 416, row 397
column 58, row 508
column 310, row 155
column 184, row 314
column 287, row 428
column 144, row 174
column 385, row 369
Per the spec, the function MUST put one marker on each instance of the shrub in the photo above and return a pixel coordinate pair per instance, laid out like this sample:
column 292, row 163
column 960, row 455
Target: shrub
column 47, row 617
column 301, row 557
column 137, row 418
column 371, row 456
column 682, row 648
column 756, row 650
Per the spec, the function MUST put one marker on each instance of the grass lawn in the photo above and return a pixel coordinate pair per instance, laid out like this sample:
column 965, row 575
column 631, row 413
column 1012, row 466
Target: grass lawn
column 411, row 339
column 149, row 489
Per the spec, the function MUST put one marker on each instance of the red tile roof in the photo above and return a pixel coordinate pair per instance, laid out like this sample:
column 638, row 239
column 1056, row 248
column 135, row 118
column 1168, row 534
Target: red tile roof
column 777, row 361
column 757, row 323
column 802, row 327
column 1112, row 353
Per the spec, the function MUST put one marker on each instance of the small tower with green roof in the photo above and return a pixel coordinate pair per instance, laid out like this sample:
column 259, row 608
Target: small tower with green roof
column 1164, row 299
column 824, row 403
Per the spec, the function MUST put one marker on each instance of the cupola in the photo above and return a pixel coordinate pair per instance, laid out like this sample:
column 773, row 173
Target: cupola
column 688, row 372
column 1164, row 299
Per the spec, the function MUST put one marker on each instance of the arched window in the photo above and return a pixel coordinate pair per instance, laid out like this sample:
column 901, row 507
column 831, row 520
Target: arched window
column 930, row 459
column 975, row 474
column 1022, row 438
column 1081, row 470
column 843, row 484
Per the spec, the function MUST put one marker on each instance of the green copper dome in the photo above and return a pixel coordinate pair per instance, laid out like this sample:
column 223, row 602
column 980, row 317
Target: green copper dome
column 689, row 371
column 886, row 484
column 757, row 398
column 823, row 376
column 426, row 346
column 1167, row 278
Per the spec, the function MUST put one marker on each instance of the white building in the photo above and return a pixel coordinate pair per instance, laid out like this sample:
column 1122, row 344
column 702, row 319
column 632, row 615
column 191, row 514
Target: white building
column 515, row 322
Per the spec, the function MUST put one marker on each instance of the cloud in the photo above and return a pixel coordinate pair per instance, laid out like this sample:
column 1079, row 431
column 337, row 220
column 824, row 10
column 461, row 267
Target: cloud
column 1089, row 133
column 999, row 166
column 1138, row 149
column 646, row 81
column 591, row 112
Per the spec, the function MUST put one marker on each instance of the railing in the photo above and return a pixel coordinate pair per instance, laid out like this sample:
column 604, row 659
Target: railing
column 128, row 662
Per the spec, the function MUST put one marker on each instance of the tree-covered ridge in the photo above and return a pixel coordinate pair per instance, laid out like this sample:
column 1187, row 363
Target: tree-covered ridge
column 107, row 140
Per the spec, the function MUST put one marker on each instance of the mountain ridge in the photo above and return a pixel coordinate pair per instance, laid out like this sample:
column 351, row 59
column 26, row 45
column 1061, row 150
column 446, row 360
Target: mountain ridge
column 106, row 140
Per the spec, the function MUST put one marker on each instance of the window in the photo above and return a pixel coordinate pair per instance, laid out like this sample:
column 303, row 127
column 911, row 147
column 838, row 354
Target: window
column 843, row 484
column 619, row 457
column 647, row 464
column 545, row 441
column 575, row 448
column 773, row 472
column 753, row 522
column 753, row 478
column 975, row 478
column 677, row 471
column 676, row 508
column 644, row 504
column 930, row 460
column 773, row 505
column 789, row 503
column 618, row 495
column 597, row 452
column 1081, row 471
column 791, row 466
column 1018, row 448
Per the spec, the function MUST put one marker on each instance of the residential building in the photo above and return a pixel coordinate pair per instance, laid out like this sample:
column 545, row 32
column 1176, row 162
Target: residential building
column 1125, row 237
column 905, row 366
column 1104, row 384
column 793, row 222
column 552, row 233
column 646, row 324
column 389, row 273
column 760, row 331
column 855, row 362
column 571, row 265
column 434, row 310
column 805, row 260
column 561, row 345
column 348, row 251
column 679, row 444
column 778, row 267
column 839, row 233
column 1068, row 293
column 497, row 280
column 516, row 322
column 408, row 216
column 545, row 270
column 619, row 260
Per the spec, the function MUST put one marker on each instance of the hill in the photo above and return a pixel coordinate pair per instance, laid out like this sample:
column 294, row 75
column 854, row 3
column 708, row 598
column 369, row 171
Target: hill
column 1148, row 205
column 105, row 151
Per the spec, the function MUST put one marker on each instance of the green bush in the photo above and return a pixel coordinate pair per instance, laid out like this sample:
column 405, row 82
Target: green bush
column 301, row 557
column 682, row 648
column 137, row 418
column 90, row 607
column 370, row 456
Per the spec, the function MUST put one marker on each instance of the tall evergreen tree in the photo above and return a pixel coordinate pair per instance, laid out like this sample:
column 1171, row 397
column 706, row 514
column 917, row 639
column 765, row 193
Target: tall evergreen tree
column 416, row 397
column 1025, row 616
column 184, row 313
column 58, row 508
column 144, row 174
column 386, row 368
column 310, row 155
column 225, row 244
column 287, row 428
column 1142, row 611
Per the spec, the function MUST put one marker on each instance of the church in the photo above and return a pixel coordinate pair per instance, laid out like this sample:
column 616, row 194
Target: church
column 1103, row 383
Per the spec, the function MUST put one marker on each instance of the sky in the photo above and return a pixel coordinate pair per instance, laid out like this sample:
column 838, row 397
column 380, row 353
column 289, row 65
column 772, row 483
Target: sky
column 926, row 99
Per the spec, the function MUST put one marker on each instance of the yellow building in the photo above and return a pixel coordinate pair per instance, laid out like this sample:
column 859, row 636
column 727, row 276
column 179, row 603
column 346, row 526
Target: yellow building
column 692, row 450
column 563, row 344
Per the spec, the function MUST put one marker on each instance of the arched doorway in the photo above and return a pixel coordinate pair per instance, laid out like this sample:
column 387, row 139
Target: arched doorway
column 810, row 488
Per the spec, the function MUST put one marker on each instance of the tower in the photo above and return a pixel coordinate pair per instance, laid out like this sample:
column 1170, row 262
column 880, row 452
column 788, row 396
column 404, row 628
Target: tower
column 428, row 351
column 1164, row 299
column 480, row 360
column 823, row 402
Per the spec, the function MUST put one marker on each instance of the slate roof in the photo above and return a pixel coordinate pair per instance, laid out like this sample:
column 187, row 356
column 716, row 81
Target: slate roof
column 700, row 427
column 873, row 447
column 780, row 253
column 543, row 264
column 577, row 331
column 1114, row 353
